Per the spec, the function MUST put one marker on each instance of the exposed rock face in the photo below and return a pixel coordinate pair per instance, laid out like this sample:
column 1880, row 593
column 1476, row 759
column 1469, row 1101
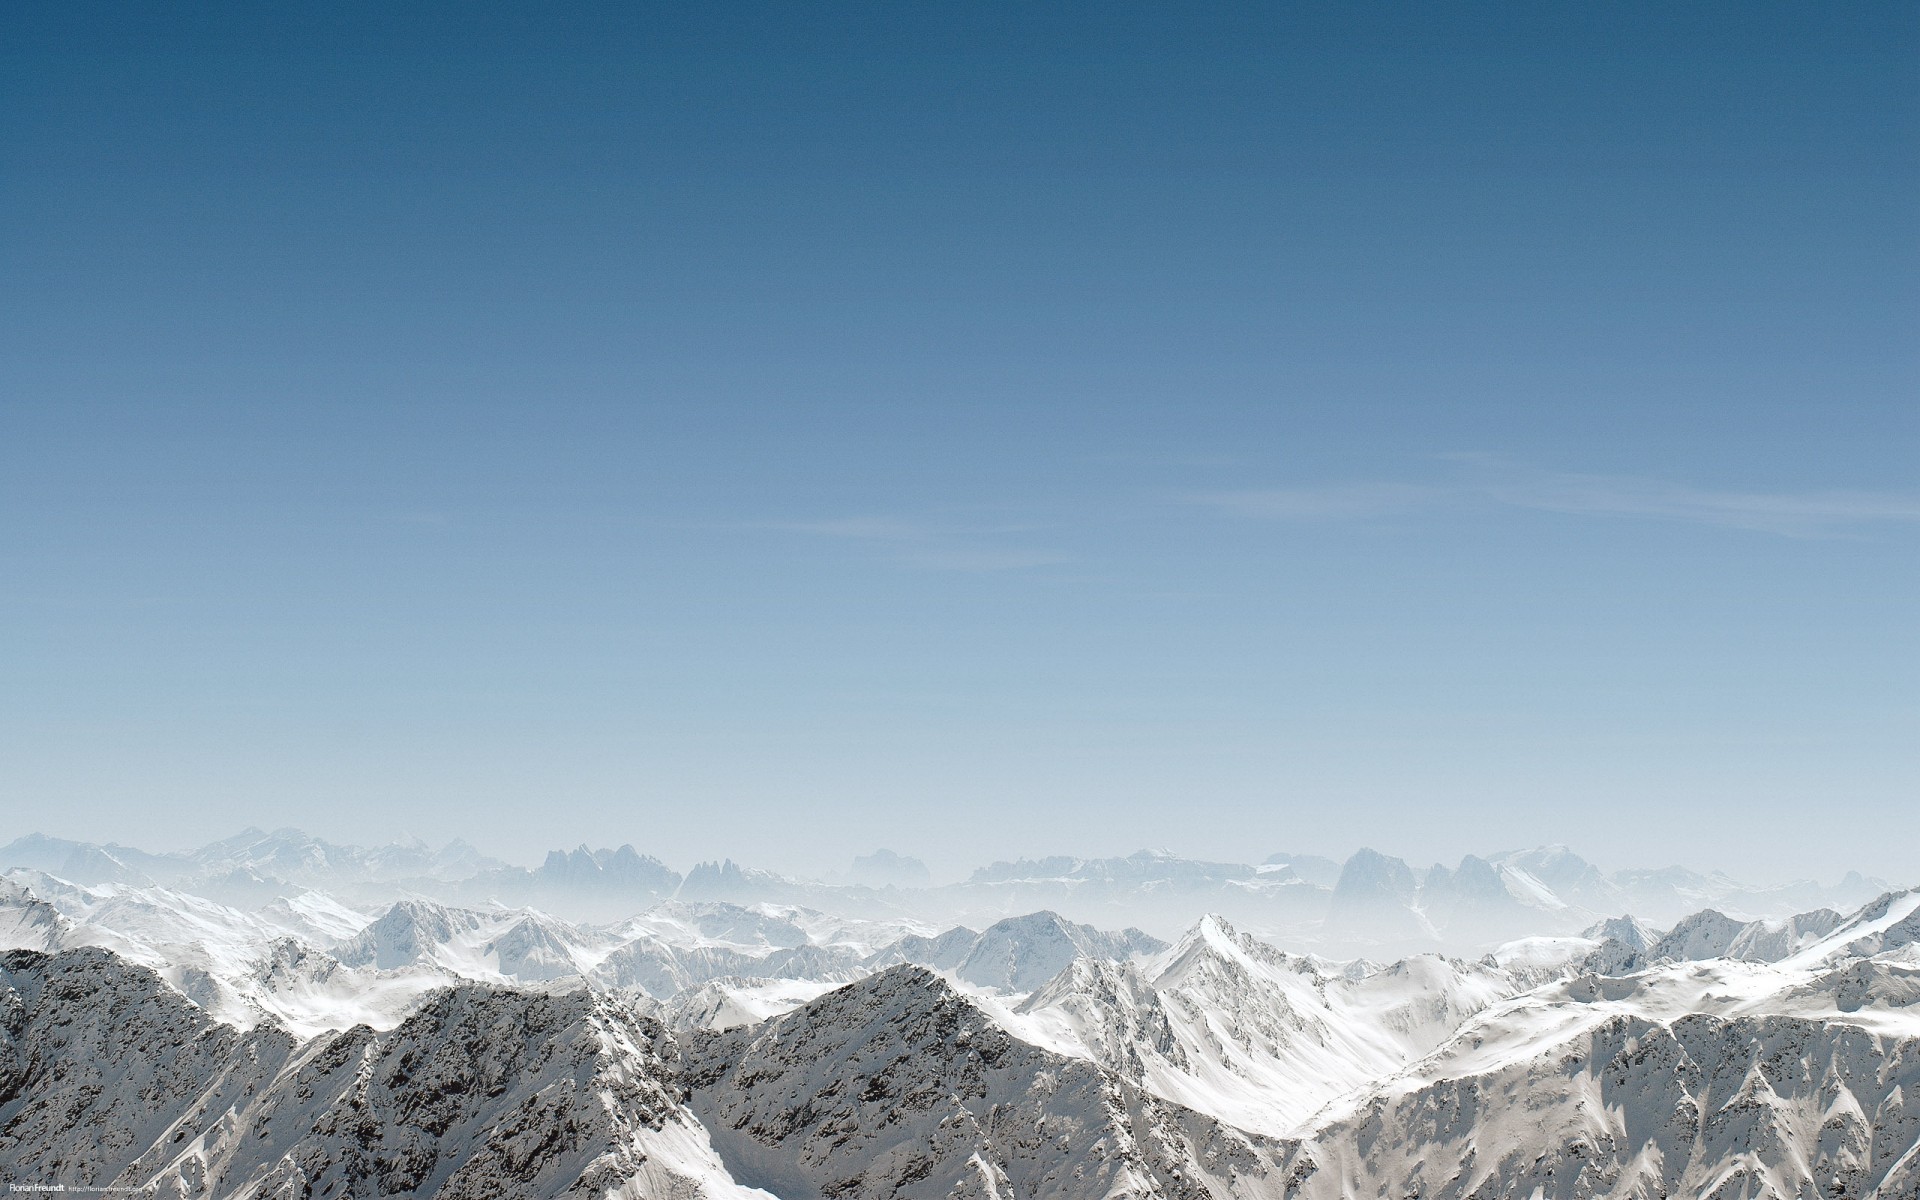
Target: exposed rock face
column 408, row 933
column 1705, row 934
column 1632, row 934
column 102, row 1062
column 601, row 883
column 27, row 922
column 1771, row 941
column 899, row 1087
column 884, row 868
column 1231, row 1026
column 109, row 1078
column 942, row 952
column 1020, row 954
column 1374, row 898
column 625, row 868
column 896, row 1086
column 1704, row 1107
column 1709, row 934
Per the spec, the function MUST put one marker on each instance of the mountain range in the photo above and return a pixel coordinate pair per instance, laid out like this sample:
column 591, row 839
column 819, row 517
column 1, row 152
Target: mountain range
column 1370, row 904
column 333, row 1029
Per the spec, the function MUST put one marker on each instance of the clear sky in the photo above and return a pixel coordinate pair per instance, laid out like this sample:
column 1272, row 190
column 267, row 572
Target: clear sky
column 976, row 429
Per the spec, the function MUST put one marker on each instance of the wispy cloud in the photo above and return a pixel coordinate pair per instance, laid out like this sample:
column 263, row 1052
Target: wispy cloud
column 1484, row 481
column 1325, row 503
column 879, row 529
column 933, row 546
column 981, row 558
column 1790, row 514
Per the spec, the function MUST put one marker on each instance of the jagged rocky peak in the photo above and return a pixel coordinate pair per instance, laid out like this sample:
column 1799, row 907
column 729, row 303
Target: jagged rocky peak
column 897, row 1086
column 1888, row 924
column 290, row 960
column 1704, row 1106
column 536, row 948
column 1372, row 876
column 1474, row 883
column 1373, row 901
column 717, row 920
column 1084, row 977
column 481, row 1093
column 1627, row 946
column 729, row 881
column 1143, row 867
column 1708, row 933
column 561, row 863
column 1568, row 875
column 1772, row 940
column 915, row 1001
column 95, row 865
column 406, row 934
column 884, row 868
column 37, row 852
column 1310, row 868
column 1212, row 933
column 647, row 964
column 1612, row 957
column 942, row 952
column 284, row 856
column 285, row 852
column 1019, row 954
column 624, row 867
column 76, row 862
column 1026, row 869
column 27, row 922
column 295, row 856
column 1634, row 935
column 1214, row 951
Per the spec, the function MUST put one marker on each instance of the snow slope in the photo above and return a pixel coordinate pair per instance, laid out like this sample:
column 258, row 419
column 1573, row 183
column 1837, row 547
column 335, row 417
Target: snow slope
column 287, row 1042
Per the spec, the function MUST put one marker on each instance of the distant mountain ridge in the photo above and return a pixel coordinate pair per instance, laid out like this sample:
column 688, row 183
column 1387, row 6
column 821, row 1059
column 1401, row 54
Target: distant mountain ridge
column 287, row 856
column 1370, row 904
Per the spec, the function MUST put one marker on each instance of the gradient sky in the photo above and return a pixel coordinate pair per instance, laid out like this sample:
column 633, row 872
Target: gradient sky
column 977, row 429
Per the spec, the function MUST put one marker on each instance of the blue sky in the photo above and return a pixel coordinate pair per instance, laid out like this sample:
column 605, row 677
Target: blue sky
column 780, row 431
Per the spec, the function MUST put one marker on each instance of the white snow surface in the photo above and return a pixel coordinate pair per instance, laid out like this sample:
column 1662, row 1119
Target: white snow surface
column 1218, row 1061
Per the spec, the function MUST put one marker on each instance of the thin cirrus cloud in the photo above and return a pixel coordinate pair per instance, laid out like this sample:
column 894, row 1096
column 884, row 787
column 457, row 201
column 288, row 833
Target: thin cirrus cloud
column 1331, row 502
column 1491, row 484
column 933, row 547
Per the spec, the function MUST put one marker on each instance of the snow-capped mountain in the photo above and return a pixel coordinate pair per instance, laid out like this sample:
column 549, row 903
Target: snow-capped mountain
column 1722, row 1078
column 1020, row 954
column 1226, row 1024
column 109, row 1079
column 1700, row 1106
column 1716, row 1078
column 277, row 1038
column 900, row 1086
